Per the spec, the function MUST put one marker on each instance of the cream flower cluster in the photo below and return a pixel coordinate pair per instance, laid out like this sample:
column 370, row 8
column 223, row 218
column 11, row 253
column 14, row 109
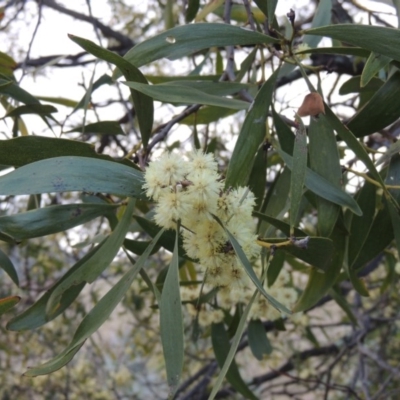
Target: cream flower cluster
column 280, row 291
column 227, row 298
column 191, row 191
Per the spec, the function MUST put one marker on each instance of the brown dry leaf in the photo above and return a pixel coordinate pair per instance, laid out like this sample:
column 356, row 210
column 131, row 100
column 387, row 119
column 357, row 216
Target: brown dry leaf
column 313, row 104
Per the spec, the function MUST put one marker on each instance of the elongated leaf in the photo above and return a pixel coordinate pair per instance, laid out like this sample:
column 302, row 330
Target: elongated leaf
column 276, row 203
column 184, row 40
column 143, row 104
column 323, row 188
column 214, row 88
column 347, row 51
column 220, row 343
column 7, row 64
column 268, row 8
column 373, row 65
column 7, row 303
column 319, row 284
column 54, row 365
column 271, row 6
column 258, row 340
column 48, row 220
column 317, row 251
column 379, row 237
column 343, row 304
column 59, row 100
column 69, row 174
column 167, row 239
column 275, row 267
column 83, row 103
column 353, row 85
column 298, row 175
column 94, row 266
column 191, row 10
column 174, row 93
column 393, row 178
column 7, row 266
column 280, row 225
column 322, row 17
column 239, row 13
column 31, row 109
column 138, row 246
column 382, row 110
column 381, row 40
column 208, row 8
column 250, row 272
column 285, row 134
column 96, row 317
column 35, row 316
column 251, row 136
column 28, row 149
column 325, row 160
column 258, row 177
column 232, row 351
column 393, row 149
column 358, row 283
column 158, row 79
column 361, row 225
column 10, row 88
column 207, row 114
column 351, row 141
column 171, row 322
column 246, row 65
column 103, row 127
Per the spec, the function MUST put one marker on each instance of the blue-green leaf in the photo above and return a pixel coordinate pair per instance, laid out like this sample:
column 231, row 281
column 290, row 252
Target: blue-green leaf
column 298, row 175
column 96, row 317
column 381, row 40
column 95, row 265
column 382, row 110
column 325, row 160
column 144, row 108
column 251, row 136
column 52, row 219
column 323, row 188
column 69, row 174
column 7, row 303
column 184, row 40
column 220, row 343
column 8, row 267
column 171, row 322
column 250, row 272
column 28, row 149
column 175, row 93
column 258, row 340
column 373, row 65
column 322, row 17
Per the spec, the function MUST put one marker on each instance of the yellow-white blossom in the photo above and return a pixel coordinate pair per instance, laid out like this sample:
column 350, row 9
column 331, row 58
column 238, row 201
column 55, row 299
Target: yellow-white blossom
column 191, row 191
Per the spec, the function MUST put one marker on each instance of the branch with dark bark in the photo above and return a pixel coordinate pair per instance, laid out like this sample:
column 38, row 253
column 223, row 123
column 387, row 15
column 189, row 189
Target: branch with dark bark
column 108, row 32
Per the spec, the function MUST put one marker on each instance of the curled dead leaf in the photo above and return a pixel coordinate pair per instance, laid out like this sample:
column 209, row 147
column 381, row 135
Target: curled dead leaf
column 313, row 104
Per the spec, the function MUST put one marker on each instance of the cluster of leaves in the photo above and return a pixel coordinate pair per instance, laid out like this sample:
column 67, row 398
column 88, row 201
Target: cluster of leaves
column 352, row 228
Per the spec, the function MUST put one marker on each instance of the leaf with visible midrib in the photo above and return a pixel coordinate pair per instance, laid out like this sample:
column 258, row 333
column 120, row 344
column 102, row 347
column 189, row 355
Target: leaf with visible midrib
column 144, row 107
column 381, row 40
column 171, row 322
column 96, row 317
column 251, row 136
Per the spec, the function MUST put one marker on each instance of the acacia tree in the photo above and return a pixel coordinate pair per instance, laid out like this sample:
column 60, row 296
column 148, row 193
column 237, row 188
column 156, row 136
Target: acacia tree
column 258, row 259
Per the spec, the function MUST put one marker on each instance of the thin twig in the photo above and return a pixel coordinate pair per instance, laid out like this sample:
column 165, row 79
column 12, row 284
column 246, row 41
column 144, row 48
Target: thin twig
column 250, row 15
column 35, row 31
